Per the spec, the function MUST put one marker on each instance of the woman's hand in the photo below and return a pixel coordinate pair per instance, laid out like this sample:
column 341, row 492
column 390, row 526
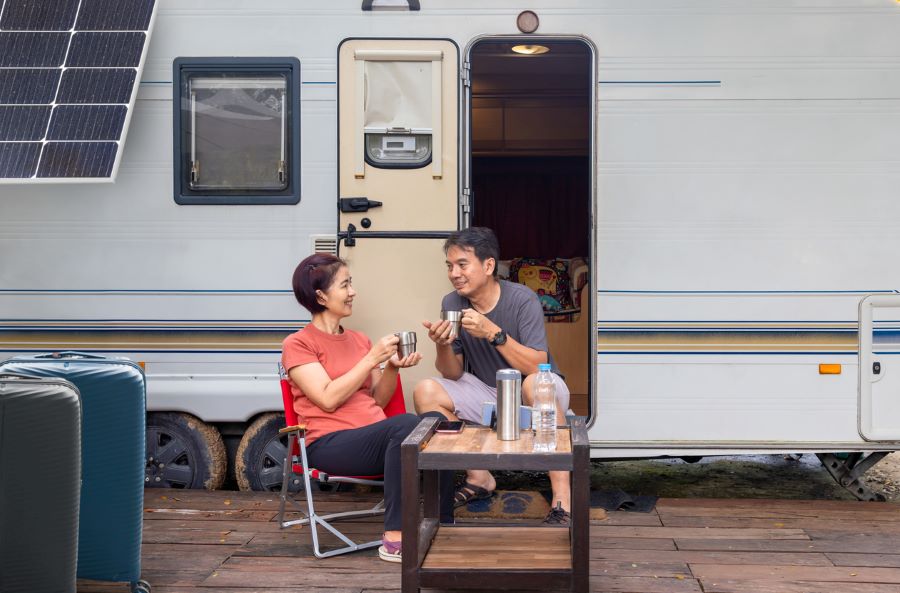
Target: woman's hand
column 405, row 362
column 383, row 349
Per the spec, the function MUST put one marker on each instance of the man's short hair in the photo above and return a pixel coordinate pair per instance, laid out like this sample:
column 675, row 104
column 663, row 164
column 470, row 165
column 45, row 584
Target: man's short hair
column 479, row 239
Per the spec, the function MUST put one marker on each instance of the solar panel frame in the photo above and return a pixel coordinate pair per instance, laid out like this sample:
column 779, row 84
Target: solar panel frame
column 84, row 98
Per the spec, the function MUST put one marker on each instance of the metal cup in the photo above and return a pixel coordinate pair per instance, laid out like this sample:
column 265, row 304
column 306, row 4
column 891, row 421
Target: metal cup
column 455, row 319
column 407, row 344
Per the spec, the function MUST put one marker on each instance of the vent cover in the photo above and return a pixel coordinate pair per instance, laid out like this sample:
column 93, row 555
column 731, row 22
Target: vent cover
column 325, row 244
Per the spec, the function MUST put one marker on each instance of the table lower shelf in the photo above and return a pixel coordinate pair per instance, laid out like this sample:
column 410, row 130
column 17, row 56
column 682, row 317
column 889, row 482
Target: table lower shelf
column 499, row 548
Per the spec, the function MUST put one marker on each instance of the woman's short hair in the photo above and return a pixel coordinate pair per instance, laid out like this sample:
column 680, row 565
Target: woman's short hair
column 479, row 239
column 316, row 272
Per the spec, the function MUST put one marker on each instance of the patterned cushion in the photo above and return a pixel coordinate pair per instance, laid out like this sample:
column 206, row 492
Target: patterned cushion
column 549, row 278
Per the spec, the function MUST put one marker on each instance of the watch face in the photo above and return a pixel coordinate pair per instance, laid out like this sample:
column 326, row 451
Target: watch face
column 499, row 339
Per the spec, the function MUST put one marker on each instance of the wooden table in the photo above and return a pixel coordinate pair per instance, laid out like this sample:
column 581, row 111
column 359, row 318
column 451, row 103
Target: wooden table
column 497, row 556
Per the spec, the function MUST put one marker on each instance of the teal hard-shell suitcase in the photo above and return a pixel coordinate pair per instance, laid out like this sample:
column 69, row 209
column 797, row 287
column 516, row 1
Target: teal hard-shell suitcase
column 40, row 484
column 113, row 405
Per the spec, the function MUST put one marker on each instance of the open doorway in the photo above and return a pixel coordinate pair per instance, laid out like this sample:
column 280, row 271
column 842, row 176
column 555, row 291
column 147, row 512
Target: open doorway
column 531, row 182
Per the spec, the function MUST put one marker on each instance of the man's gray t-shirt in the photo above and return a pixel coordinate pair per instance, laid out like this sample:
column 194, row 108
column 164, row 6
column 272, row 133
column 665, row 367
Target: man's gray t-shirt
column 518, row 313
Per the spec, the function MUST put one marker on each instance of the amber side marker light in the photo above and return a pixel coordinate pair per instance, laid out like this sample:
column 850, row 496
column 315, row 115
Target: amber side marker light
column 142, row 364
column 829, row 369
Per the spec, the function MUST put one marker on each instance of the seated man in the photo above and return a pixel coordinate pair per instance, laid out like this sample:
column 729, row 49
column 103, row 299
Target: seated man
column 502, row 327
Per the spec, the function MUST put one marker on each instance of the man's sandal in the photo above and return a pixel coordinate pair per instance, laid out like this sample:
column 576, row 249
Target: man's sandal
column 468, row 492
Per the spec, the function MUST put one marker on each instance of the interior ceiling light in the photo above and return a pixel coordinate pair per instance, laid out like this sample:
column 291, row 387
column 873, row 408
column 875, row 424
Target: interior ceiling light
column 530, row 50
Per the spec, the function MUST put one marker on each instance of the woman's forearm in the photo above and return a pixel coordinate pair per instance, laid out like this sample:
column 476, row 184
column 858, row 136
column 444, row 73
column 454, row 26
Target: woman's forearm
column 383, row 390
column 333, row 393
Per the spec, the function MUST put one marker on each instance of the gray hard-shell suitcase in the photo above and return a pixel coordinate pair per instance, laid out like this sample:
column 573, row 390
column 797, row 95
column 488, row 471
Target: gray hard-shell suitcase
column 40, row 484
column 112, row 459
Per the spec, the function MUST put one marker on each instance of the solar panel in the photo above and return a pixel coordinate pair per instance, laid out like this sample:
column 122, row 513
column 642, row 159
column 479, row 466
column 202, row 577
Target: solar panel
column 68, row 76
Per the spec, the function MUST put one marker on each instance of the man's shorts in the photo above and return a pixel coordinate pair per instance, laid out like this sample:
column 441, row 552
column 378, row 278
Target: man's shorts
column 469, row 393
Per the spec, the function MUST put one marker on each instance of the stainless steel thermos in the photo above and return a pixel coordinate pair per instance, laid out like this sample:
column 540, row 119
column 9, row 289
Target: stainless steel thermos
column 509, row 398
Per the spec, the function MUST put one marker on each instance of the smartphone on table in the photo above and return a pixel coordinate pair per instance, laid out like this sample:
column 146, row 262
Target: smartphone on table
column 449, row 426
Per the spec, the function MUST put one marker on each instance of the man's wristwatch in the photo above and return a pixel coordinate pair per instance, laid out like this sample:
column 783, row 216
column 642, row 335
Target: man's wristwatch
column 499, row 338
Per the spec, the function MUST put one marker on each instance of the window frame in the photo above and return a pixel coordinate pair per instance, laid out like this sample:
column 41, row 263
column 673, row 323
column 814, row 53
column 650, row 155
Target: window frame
column 183, row 68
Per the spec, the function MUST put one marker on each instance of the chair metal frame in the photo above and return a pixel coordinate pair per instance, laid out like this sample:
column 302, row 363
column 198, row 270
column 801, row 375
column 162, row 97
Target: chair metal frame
column 296, row 466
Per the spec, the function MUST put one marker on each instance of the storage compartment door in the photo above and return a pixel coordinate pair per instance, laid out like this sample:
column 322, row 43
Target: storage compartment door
column 879, row 368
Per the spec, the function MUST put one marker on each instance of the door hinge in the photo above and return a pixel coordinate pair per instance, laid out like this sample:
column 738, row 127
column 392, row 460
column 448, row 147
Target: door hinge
column 466, row 74
column 465, row 200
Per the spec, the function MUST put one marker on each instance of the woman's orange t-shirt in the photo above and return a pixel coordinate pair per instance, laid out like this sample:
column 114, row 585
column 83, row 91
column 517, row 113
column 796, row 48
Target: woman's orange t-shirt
column 337, row 354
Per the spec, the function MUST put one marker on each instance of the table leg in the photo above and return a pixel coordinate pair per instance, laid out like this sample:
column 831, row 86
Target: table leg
column 581, row 518
column 409, row 458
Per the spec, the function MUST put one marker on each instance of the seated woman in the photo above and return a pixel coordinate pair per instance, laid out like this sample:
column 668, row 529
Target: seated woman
column 341, row 383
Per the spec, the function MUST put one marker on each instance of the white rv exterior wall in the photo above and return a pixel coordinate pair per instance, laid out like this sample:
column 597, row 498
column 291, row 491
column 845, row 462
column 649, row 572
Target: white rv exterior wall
column 747, row 166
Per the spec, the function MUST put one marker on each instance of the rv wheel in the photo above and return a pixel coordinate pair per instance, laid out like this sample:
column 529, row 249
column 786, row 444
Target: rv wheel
column 183, row 452
column 260, row 456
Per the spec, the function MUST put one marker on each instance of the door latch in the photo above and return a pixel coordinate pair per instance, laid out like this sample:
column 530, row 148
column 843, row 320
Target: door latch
column 358, row 204
column 347, row 236
column 876, row 368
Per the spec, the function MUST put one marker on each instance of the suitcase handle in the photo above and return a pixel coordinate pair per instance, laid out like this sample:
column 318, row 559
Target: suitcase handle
column 70, row 354
column 5, row 376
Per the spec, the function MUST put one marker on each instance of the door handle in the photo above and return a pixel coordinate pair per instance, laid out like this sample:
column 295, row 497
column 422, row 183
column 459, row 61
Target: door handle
column 358, row 204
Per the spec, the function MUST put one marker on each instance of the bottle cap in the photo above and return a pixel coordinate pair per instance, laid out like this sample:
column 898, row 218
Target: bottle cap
column 544, row 366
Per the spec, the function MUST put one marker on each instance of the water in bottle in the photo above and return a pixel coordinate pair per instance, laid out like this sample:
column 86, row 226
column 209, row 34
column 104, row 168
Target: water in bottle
column 544, row 419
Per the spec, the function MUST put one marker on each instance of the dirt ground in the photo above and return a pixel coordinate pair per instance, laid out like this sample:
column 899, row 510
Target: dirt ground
column 758, row 476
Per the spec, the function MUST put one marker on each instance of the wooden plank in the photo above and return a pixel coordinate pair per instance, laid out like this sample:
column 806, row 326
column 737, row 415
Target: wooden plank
column 635, row 568
column 630, row 543
column 733, row 586
column 874, row 527
column 523, row 548
column 761, row 558
column 871, row 559
column 818, row 542
column 314, row 579
column 742, row 503
column 637, row 519
column 620, row 584
column 696, row 532
column 848, row 574
column 763, row 510
column 196, row 536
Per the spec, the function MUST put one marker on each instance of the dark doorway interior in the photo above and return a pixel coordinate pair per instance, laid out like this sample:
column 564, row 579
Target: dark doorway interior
column 531, row 179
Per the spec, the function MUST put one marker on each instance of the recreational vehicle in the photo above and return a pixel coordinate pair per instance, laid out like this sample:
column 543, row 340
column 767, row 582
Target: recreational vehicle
column 703, row 195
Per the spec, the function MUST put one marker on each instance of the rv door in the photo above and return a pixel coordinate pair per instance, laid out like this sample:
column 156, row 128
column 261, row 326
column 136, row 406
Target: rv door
column 879, row 368
column 397, row 182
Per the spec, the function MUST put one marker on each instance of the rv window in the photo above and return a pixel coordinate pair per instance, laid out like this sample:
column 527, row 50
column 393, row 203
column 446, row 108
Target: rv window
column 398, row 118
column 236, row 134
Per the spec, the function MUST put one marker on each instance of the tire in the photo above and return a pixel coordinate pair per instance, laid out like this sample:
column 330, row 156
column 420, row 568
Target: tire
column 260, row 456
column 183, row 452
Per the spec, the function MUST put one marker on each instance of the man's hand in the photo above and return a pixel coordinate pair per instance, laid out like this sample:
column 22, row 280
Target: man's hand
column 439, row 332
column 478, row 325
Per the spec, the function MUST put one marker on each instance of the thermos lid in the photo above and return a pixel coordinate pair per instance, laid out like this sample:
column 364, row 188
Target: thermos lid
column 509, row 375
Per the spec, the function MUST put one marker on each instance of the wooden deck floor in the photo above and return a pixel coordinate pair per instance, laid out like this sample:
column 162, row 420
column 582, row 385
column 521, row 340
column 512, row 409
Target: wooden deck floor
column 227, row 542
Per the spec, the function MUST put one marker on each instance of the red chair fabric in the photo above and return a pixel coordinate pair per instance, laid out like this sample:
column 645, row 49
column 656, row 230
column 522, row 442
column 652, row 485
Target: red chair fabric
column 396, row 405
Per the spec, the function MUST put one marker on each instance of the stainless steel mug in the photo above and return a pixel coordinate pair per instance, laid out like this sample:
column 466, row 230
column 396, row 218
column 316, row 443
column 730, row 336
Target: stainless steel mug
column 455, row 319
column 407, row 344
column 509, row 398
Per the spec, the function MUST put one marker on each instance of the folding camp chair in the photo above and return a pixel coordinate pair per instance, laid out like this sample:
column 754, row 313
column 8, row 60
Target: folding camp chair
column 296, row 467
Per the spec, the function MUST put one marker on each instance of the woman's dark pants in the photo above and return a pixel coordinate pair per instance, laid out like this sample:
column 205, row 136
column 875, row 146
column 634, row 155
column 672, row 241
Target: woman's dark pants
column 375, row 449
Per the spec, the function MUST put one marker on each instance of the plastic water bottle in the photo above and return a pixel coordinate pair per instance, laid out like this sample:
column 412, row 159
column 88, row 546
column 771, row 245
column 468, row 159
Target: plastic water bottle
column 544, row 419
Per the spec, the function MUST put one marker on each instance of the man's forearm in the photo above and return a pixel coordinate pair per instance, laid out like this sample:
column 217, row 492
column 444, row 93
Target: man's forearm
column 447, row 363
